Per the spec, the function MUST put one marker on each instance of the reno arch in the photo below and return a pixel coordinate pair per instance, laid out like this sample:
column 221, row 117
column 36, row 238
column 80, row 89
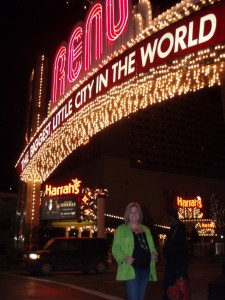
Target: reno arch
column 84, row 96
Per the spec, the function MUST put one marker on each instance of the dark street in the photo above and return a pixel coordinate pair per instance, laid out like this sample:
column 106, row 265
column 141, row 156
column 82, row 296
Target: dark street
column 91, row 286
column 25, row 288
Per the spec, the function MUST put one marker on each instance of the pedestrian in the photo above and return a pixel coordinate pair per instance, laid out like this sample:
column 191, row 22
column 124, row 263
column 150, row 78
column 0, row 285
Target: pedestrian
column 134, row 251
column 175, row 253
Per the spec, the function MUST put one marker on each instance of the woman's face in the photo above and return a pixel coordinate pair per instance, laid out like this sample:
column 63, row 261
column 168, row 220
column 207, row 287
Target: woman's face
column 134, row 214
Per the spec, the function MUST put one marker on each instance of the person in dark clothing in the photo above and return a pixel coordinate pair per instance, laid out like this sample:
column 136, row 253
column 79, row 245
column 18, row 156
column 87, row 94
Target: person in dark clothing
column 175, row 252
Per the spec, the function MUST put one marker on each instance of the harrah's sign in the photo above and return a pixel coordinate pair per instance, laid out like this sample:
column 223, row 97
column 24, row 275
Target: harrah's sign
column 202, row 29
column 67, row 189
column 191, row 203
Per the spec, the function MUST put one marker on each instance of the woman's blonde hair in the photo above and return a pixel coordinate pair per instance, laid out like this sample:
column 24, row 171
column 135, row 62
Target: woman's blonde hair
column 128, row 209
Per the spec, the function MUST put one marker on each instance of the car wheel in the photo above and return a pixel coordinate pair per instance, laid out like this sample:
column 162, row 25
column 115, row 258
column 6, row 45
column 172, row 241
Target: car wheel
column 46, row 268
column 100, row 268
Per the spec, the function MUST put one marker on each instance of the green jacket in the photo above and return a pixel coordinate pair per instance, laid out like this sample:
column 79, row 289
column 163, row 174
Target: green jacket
column 123, row 245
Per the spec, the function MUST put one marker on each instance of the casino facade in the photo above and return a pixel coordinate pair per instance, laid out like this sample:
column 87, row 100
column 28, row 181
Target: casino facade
column 136, row 114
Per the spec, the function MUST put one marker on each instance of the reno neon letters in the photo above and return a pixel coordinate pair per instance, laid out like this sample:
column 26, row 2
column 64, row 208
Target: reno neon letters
column 86, row 43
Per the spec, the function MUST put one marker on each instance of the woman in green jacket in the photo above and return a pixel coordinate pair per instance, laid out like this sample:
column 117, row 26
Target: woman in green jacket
column 134, row 251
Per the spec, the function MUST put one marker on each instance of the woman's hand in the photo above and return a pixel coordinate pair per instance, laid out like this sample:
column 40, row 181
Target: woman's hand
column 154, row 256
column 129, row 260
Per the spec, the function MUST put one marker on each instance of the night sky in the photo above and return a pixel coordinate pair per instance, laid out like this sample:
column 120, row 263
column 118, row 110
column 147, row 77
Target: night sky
column 29, row 28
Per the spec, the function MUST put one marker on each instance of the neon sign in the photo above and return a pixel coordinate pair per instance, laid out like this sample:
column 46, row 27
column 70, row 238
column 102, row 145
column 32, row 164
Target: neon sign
column 206, row 228
column 208, row 225
column 131, row 69
column 192, row 203
column 85, row 46
column 114, row 31
column 75, row 54
column 81, row 51
column 69, row 189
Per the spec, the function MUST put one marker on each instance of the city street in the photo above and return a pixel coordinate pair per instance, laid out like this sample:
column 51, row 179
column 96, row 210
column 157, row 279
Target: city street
column 14, row 286
column 19, row 285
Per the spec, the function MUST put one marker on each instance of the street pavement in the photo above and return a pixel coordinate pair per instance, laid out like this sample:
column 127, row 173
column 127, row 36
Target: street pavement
column 201, row 272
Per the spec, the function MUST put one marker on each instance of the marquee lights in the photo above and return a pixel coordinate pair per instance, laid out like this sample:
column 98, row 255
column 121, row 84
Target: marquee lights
column 206, row 228
column 190, row 211
column 33, row 202
column 188, row 73
column 160, row 84
column 189, row 208
column 114, row 217
column 88, row 205
column 40, row 90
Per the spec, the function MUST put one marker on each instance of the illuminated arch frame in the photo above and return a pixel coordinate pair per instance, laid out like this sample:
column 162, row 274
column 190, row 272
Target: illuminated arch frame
column 189, row 73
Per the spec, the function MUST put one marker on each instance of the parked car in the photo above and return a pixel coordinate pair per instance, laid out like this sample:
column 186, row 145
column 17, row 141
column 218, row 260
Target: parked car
column 69, row 254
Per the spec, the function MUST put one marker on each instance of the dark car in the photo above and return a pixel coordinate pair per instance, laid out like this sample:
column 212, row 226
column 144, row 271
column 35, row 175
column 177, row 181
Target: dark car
column 69, row 254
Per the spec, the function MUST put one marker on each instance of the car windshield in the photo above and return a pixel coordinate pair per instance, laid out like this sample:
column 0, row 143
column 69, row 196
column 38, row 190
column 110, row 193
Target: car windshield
column 56, row 245
column 48, row 244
